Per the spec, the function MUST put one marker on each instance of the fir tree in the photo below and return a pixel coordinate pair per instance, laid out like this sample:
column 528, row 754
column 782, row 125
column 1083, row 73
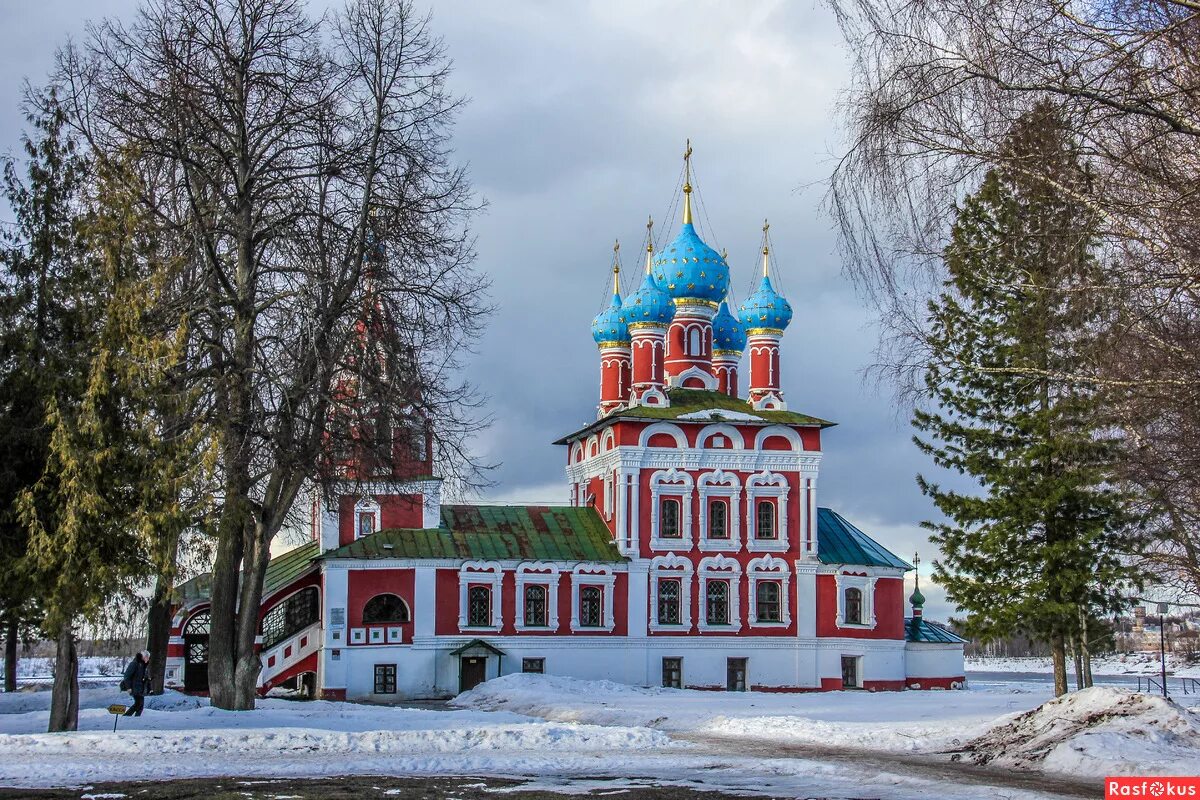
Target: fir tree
column 1040, row 546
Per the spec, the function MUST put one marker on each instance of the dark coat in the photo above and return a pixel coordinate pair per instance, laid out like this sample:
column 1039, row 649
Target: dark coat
column 137, row 677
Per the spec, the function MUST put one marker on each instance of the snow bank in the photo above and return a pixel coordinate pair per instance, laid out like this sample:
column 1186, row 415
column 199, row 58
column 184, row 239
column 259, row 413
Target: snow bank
column 1095, row 732
column 36, row 699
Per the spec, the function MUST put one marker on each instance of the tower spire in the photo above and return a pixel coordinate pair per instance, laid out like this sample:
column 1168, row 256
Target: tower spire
column 687, row 183
column 617, row 267
column 649, row 242
column 766, row 247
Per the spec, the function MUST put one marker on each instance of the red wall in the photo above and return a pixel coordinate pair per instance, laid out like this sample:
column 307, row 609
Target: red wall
column 889, row 610
column 397, row 511
column 363, row 584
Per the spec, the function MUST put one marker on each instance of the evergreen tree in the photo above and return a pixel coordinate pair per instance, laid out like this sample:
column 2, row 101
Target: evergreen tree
column 1040, row 546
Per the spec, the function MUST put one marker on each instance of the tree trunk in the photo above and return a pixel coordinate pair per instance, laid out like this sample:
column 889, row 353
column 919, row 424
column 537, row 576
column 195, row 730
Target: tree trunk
column 1085, row 651
column 158, row 633
column 11, row 631
column 249, row 664
column 226, row 572
column 64, row 699
column 1078, row 658
column 1058, row 651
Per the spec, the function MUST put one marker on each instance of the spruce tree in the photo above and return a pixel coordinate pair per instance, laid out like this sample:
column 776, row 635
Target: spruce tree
column 1040, row 545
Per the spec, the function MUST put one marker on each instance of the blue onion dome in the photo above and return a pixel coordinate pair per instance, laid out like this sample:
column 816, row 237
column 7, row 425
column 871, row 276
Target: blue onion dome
column 609, row 326
column 649, row 305
column 766, row 310
column 728, row 334
column 691, row 270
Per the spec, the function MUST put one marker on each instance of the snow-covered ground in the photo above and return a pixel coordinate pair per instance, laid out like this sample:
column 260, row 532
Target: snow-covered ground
column 556, row 729
column 1106, row 664
column 90, row 667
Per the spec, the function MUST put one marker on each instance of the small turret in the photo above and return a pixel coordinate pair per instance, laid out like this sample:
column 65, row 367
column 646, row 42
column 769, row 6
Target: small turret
column 648, row 312
column 610, row 329
column 765, row 315
column 729, row 340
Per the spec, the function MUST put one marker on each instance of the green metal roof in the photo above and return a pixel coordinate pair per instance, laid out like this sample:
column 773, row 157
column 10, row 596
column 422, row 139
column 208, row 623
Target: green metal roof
column 541, row 533
column 691, row 401
column 839, row 542
column 281, row 571
column 919, row 629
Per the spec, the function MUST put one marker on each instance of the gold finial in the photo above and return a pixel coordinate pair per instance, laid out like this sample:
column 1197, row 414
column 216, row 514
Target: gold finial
column 687, row 183
column 766, row 247
column 649, row 242
column 616, row 267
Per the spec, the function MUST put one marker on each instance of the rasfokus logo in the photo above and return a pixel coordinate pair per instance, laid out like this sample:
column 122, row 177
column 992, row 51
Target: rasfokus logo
column 1156, row 788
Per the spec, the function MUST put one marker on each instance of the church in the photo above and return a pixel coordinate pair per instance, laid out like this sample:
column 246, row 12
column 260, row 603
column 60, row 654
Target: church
column 693, row 552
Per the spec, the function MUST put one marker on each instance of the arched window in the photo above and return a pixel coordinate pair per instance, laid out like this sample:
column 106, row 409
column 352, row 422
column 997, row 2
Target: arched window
column 198, row 625
column 716, row 601
column 669, row 524
column 535, row 606
column 694, row 348
column 385, row 608
column 767, row 602
column 668, row 601
column 479, row 606
column 765, row 529
column 591, row 612
column 854, row 606
column 290, row 617
column 718, row 519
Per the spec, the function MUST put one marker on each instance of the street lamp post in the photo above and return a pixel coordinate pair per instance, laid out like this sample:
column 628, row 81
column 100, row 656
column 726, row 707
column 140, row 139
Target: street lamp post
column 1162, row 644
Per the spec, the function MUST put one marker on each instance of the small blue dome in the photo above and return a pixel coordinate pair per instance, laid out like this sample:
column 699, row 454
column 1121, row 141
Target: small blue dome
column 728, row 333
column 765, row 309
column 609, row 325
column 688, row 268
column 649, row 304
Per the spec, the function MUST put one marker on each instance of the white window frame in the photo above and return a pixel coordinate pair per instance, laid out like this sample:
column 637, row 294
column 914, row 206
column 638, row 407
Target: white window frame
column 727, row 569
column 593, row 575
column 721, row 485
column 764, row 485
column 865, row 584
column 367, row 505
column 480, row 572
column 671, row 483
column 770, row 568
column 537, row 573
column 608, row 496
column 671, row 566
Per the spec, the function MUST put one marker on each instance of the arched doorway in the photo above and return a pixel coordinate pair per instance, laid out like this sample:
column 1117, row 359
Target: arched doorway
column 195, row 653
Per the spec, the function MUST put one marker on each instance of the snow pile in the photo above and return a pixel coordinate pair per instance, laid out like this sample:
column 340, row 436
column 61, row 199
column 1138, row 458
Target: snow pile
column 1095, row 732
column 34, row 700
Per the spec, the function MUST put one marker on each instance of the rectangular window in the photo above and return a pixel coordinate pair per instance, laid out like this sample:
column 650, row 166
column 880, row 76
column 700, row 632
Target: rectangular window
column 479, row 606
column 735, row 675
column 669, row 527
column 672, row 669
column 535, row 607
column 767, row 603
column 366, row 523
column 716, row 602
column 765, row 529
column 534, row 665
column 718, row 519
column 591, row 610
column 854, row 615
column 850, row 676
column 385, row 679
column 668, row 601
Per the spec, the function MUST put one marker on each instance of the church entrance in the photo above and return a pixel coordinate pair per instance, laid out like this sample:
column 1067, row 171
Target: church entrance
column 850, row 677
column 195, row 653
column 473, row 671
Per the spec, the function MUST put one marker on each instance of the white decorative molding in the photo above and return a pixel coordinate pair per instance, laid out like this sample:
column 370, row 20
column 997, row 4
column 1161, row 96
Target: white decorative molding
column 806, row 463
column 488, row 573
column 783, row 432
column 769, row 567
column 674, row 431
column 767, row 484
column 540, row 573
column 601, row 575
column 865, row 584
column 366, row 505
column 721, row 484
column 736, row 440
column 707, row 379
column 671, row 566
column 726, row 569
column 672, row 483
column 770, row 402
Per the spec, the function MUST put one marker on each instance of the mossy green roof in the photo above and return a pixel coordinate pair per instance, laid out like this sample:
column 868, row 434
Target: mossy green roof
column 538, row 533
column 281, row 571
column 839, row 542
column 692, row 401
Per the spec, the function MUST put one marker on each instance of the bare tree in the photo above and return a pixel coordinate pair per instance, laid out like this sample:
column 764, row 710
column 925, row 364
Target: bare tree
column 309, row 164
column 936, row 85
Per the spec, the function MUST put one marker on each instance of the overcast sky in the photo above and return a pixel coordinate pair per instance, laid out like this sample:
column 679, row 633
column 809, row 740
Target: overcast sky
column 574, row 134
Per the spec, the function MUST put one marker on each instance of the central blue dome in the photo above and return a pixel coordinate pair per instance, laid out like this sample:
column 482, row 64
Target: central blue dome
column 610, row 326
column 689, row 269
column 649, row 305
column 765, row 310
column 727, row 331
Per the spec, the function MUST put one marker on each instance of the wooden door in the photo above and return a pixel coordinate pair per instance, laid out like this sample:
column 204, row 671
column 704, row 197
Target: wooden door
column 850, row 672
column 472, row 671
column 195, row 662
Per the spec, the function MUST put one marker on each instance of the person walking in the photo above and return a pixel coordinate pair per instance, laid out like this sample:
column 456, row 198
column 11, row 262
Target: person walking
column 137, row 682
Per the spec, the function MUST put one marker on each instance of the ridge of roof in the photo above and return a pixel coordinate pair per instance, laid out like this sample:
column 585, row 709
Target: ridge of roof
column 840, row 542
